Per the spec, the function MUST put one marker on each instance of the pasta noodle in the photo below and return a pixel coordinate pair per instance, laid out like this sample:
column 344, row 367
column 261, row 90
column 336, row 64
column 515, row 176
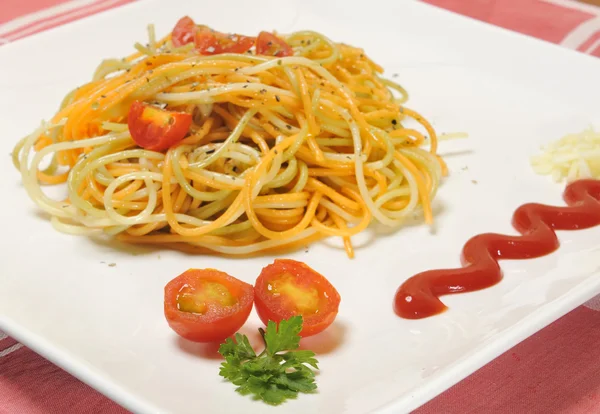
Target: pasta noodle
column 282, row 151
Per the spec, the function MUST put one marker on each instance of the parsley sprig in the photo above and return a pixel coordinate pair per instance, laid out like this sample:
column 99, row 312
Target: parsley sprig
column 280, row 372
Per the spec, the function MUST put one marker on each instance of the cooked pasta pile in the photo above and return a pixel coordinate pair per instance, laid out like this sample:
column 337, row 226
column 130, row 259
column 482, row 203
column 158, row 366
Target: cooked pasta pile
column 281, row 151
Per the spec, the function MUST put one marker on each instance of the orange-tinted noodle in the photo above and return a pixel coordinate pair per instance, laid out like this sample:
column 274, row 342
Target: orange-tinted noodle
column 282, row 151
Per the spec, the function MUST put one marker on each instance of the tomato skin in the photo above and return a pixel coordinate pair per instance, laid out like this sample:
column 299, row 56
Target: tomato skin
column 205, row 42
column 219, row 322
column 210, row 42
column 156, row 129
column 270, row 45
column 183, row 32
column 275, row 308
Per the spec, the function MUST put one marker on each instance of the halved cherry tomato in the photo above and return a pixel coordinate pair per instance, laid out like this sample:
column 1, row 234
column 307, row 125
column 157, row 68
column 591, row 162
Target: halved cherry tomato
column 156, row 129
column 210, row 42
column 206, row 305
column 287, row 288
column 183, row 32
column 270, row 45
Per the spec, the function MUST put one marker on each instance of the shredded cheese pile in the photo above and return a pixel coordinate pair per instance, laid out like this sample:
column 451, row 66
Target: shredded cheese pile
column 573, row 157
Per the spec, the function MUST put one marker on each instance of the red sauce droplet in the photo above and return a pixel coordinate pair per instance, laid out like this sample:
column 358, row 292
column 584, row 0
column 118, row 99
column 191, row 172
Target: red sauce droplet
column 418, row 297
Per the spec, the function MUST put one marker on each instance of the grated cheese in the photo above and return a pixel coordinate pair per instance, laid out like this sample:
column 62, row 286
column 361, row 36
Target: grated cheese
column 574, row 156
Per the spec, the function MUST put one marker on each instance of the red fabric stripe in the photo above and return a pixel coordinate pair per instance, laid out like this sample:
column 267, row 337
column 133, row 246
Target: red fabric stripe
column 11, row 9
column 588, row 43
column 532, row 17
column 554, row 371
column 62, row 18
column 32, row 385
column 7, row 343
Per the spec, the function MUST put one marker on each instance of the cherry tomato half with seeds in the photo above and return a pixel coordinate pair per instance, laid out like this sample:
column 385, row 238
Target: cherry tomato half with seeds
column 207, row 305
column 270, row 45
column 156, row 129
column 287, row 288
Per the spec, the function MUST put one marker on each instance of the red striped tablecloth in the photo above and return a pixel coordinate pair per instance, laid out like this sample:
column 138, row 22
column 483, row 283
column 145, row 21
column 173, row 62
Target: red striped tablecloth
column 555, row 371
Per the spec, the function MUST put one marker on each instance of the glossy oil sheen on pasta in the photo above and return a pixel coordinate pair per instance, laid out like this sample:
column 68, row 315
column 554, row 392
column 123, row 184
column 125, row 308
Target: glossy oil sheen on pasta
column 281, row 152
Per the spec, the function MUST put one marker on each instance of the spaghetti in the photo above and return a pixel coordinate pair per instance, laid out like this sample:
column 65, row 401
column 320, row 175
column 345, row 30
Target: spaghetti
column 282, row 150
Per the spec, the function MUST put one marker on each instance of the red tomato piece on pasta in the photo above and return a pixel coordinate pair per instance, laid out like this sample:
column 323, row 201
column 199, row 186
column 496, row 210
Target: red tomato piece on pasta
column 270, row 45
column 184, row 32
column 156, row 129
column 210, row 42
column 206, row 305
column 287, row 288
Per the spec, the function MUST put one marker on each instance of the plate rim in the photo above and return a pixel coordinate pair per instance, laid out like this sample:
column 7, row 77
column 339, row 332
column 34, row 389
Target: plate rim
column 540, row 318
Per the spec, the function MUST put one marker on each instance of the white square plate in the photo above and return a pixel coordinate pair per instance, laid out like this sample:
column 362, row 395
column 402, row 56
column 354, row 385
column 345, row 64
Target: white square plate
column 105, row 324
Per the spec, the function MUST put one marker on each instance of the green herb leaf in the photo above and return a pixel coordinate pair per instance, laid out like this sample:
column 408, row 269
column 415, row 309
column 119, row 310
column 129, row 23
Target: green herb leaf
column 284, row 337
column 277, row 374
column 300, row 357
column 296, row 381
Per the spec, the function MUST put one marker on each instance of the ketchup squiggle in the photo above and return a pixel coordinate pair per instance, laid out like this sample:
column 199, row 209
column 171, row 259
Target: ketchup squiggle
column 418, row 297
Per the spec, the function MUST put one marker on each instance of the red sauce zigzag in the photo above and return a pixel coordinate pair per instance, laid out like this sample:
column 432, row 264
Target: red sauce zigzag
column 418, row 297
